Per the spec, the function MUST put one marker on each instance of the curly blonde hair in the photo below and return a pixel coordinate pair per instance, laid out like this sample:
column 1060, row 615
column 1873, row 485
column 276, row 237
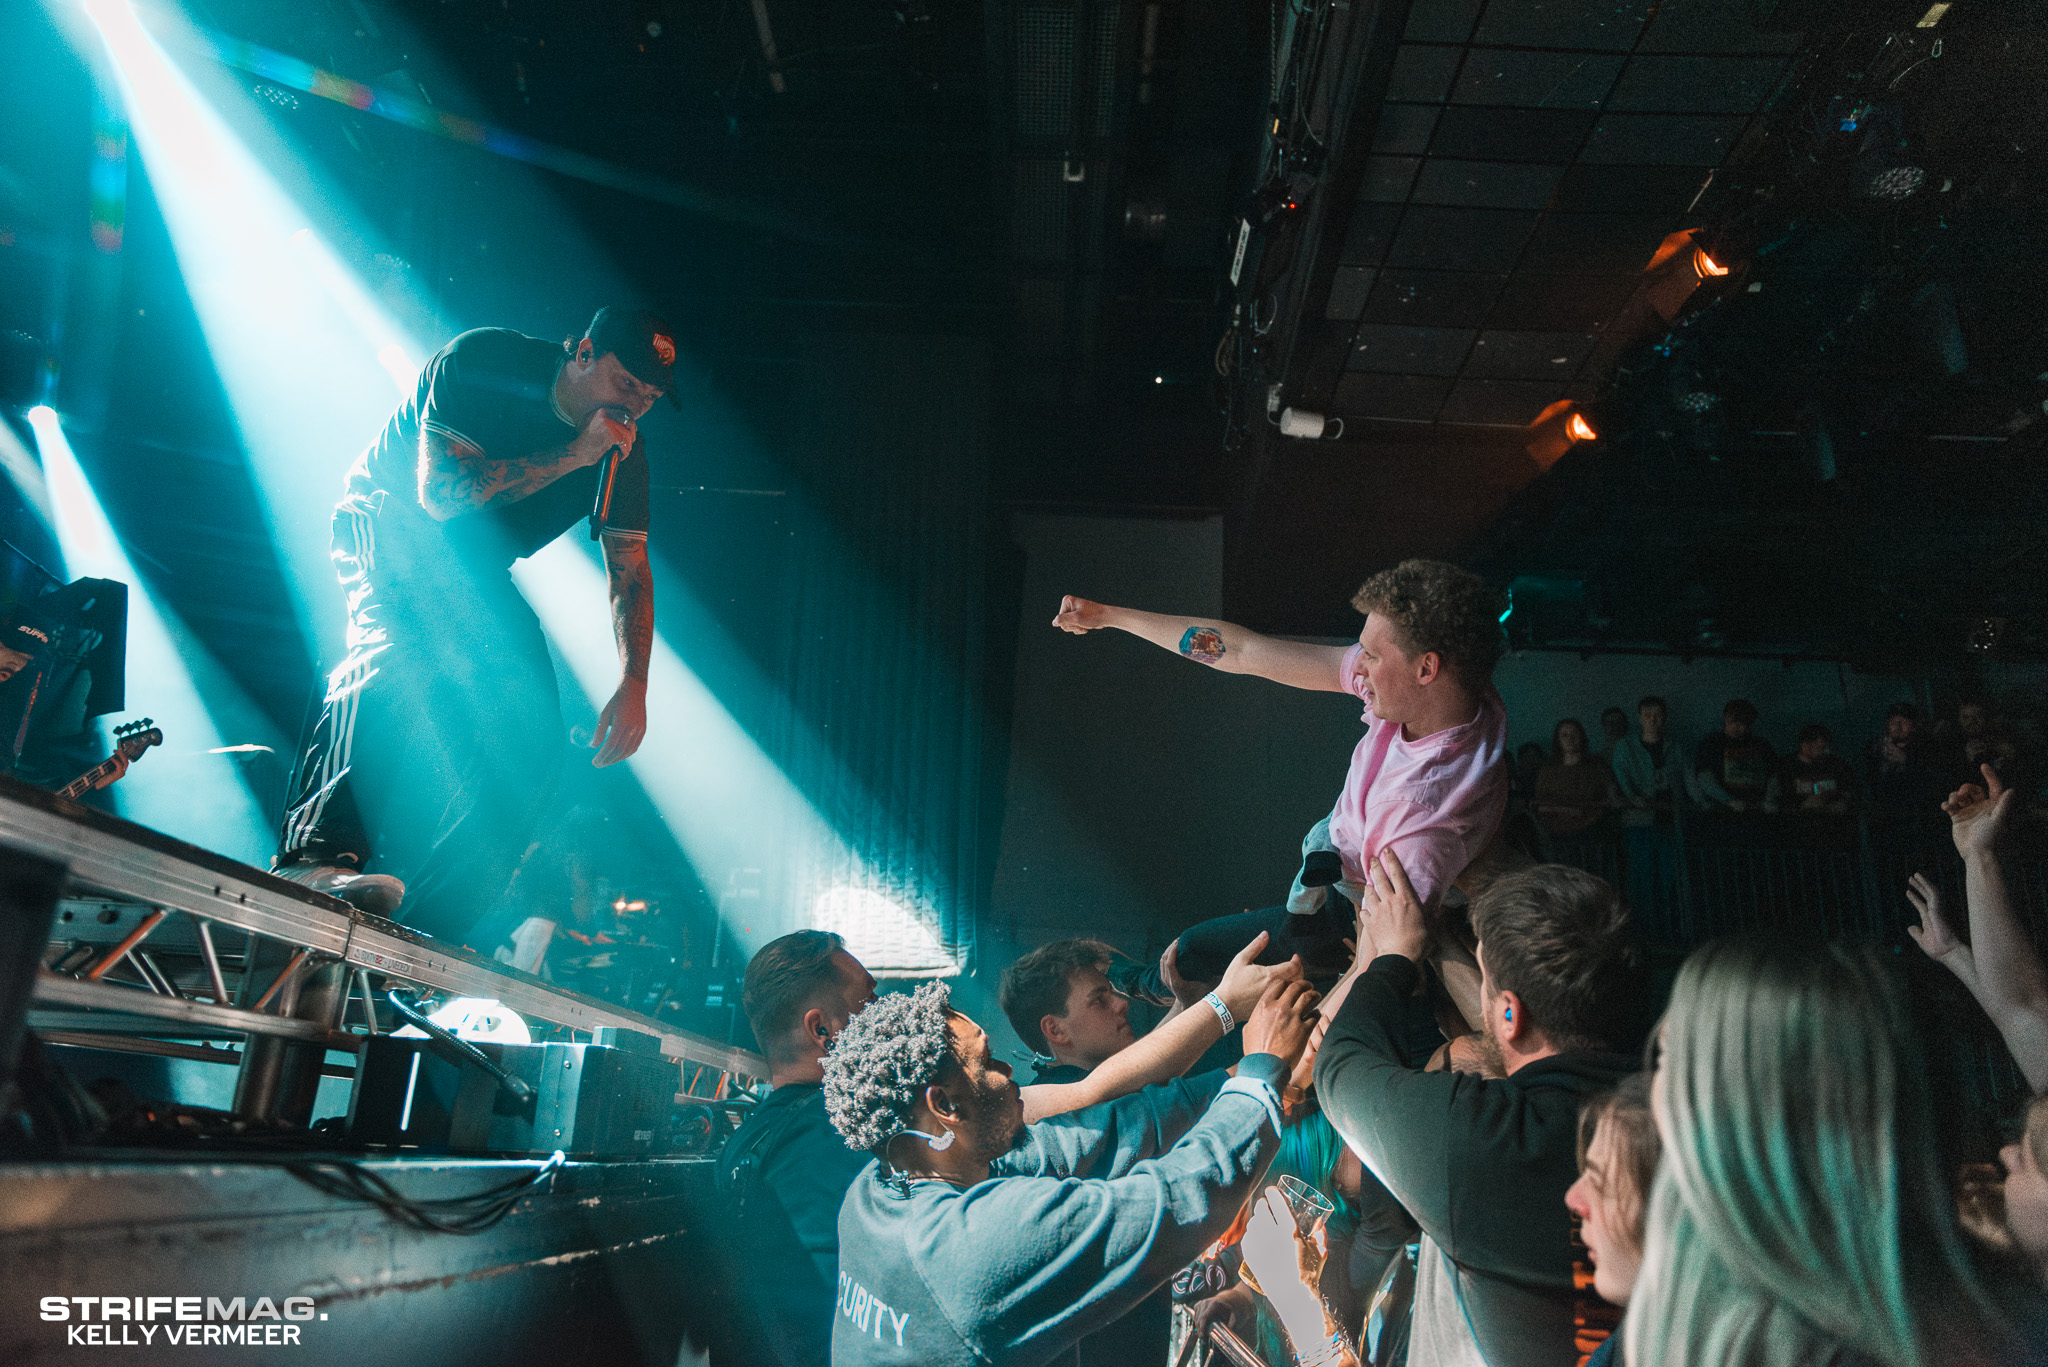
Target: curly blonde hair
column 1435, row 606
column 881, row 1063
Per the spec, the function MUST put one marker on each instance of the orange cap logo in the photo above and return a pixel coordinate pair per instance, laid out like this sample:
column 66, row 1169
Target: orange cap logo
column 665, row 349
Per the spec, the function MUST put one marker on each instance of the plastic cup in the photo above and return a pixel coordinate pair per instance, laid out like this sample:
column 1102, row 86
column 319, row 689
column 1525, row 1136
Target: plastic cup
column 1311, row 1208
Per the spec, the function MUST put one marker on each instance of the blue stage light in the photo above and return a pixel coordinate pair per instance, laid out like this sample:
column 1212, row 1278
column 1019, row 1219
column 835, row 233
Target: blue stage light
column 196, row 797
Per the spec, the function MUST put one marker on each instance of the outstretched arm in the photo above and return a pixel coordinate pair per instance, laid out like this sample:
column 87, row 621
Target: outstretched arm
column 1220, row 645
column 623, row 722
column 1171, row 1049
column 457, row 477
column 2009, row 980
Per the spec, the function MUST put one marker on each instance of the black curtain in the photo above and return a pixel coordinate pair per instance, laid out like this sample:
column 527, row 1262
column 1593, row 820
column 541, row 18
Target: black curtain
column 887, row 732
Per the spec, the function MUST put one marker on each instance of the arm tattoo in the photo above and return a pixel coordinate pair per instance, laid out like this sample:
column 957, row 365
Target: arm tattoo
column 456, row 478
column 1203, row 644
column 632, row 591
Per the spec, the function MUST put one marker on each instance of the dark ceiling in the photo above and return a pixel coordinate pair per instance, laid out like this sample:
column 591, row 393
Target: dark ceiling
column 1452, row 204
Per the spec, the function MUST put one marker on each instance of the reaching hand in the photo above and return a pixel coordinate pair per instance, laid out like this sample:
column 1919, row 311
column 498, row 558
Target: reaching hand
column 1977, row 815
column 622, row 725
column 1245, row 982
column 1389, row 913
column 1080, row 616
column 1186, row 991
column 1282, row 1021
column 1225, row 1306
column 1304, row 1075
column 1936, row 938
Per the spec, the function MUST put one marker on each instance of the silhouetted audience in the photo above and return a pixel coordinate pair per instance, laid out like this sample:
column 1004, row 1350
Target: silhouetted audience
column 1902, row 776
column 1574, row 789
column 1733, row 767
column 1613, row 730
column 1815, row 781
column 1655, row 779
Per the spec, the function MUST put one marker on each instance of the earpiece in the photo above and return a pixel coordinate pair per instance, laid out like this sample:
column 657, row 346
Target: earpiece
column 1508, row 1014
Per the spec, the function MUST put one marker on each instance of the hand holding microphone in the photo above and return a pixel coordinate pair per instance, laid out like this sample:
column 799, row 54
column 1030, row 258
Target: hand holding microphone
column 605, row 431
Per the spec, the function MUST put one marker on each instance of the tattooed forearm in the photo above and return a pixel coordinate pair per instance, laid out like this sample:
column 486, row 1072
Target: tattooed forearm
column 632, row 592
column 1204, row 644
column 455, row 478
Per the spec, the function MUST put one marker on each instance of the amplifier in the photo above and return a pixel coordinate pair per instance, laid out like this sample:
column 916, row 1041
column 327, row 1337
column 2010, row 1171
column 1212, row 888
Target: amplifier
column 607, row 1100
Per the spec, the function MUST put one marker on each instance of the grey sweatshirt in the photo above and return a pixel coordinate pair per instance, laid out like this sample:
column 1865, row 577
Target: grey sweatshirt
column 1098, row 1209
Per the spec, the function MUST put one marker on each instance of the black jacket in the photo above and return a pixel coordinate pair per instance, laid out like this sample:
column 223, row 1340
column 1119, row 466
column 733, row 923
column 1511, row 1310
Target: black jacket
column 1482, row 1165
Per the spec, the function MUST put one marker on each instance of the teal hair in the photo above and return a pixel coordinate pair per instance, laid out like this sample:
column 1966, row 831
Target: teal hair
column 1309, row 1149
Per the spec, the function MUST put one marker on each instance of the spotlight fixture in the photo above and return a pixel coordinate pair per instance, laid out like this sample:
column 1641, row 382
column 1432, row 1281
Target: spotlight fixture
column 1557, row 429
column 1676, row 270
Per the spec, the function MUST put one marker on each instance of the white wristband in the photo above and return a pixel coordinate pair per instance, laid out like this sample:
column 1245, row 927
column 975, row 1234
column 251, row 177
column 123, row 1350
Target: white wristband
column 1215, row 1003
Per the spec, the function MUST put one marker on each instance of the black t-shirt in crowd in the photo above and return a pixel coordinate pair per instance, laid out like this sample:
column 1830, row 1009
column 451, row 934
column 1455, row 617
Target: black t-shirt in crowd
column 1743, row 766
column 488, row 395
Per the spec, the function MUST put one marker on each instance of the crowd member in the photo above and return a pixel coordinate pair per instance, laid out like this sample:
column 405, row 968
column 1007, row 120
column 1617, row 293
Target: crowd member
column 1733, row 767
column 2009, row 1216
column 1970, row 740
column 1483, row 1164
column 976, row 1238
column 1998, row 965
column 1575, row 788
column 1427, row 779
column 785, row 1171
column 1799, row 1214
column 1656, row 785
column 1618, row 1151
column 1613, row 731
column 1815, row 781
column 1059, row 1000
column 1902, row 776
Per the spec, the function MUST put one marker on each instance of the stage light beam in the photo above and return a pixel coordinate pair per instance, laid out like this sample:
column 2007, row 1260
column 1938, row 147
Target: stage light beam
column 311, row 361
column 203, row 801
column 723, row 798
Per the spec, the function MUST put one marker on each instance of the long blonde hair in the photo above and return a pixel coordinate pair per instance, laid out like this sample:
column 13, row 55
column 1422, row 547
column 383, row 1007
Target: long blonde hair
column 1799, row 1208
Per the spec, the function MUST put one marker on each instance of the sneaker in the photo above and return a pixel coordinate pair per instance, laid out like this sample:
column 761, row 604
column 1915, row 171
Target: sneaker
column 377, row 893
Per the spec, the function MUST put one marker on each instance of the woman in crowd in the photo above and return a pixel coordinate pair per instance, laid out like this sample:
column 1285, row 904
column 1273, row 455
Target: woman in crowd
column 1575, row 788
column 1799, row 1215
column 1618, row 1150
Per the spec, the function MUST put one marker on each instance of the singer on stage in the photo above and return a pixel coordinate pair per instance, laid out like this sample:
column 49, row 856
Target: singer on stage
column 440, row 734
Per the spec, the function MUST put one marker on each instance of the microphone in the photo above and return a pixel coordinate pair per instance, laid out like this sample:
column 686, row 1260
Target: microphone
column 607, row 475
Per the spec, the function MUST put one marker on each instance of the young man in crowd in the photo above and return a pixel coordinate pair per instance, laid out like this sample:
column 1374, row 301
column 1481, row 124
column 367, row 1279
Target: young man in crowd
column 1733, row 767
column 980, row 1239
column 1059, row 1000
column 1815, row 780
column 1483, row 1163
column 1904, row 778
column 1656, row 783
column 1428, row 779
column 785, row 1171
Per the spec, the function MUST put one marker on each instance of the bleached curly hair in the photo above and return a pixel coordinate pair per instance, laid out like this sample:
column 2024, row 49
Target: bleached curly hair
column 881, row 1063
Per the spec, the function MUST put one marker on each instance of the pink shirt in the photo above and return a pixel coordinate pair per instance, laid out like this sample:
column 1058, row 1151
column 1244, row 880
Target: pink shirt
column 1435, row 801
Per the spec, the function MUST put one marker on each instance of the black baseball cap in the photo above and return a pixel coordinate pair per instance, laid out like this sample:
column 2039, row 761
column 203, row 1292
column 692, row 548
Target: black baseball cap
column 644, row 344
